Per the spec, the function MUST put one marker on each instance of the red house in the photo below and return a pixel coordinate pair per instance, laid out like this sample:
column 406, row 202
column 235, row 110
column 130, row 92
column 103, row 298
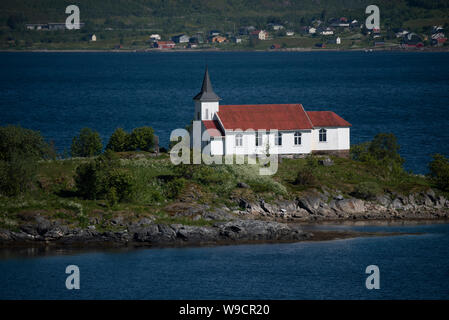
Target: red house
column 164, row 44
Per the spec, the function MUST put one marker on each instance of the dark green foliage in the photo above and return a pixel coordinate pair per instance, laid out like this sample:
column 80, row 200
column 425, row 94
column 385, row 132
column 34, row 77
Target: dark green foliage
column 20, row 149
column 366, row 190
column 306, row 175
column 86, row 144
column 142, row 139
column 16, row 141
column 439, row 171
column 95, row 179
column 15, row 21
column 174, row 187
column 383, row 149
column 118, row 141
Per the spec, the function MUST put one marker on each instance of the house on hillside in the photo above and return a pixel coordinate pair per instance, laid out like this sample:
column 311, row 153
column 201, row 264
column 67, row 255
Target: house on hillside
column 284, row 129
column 181, row 38
column 259, row 34
column 93, row 38
column 155, row 37
column 164, row 44
column 412, row 40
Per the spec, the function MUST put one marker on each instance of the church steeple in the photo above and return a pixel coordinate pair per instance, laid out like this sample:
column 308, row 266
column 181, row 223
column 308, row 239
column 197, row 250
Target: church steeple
column 207, row 93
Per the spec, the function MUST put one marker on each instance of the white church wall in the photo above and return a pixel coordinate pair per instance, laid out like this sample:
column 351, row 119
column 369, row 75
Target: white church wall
column 337, row 139
column 206, row 110
column 249, row 143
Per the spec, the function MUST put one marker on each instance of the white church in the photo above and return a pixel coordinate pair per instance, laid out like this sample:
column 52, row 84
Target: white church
column 245, row 129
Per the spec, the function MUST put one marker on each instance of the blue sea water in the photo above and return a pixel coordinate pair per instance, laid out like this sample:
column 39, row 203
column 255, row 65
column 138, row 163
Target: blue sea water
column 411, row 267
column 59, row 93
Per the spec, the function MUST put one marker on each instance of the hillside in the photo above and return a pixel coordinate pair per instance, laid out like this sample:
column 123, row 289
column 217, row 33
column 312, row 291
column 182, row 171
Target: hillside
column 131, row 21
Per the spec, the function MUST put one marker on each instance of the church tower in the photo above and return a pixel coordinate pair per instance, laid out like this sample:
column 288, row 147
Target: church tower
column 206, row 102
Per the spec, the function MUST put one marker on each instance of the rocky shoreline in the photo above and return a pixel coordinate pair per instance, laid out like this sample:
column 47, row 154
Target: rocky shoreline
column 254, row 221
column 326, row 206
column 143, row 232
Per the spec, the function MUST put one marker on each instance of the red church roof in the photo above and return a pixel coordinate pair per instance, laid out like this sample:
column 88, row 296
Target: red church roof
column 213, row 124
column 264, row 116
column 327, row 119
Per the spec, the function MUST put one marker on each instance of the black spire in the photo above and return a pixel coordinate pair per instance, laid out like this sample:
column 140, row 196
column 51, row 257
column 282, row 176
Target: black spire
column 207, row 93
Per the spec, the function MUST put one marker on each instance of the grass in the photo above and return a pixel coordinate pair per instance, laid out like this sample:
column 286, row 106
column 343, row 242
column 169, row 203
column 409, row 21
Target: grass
column 158, row 183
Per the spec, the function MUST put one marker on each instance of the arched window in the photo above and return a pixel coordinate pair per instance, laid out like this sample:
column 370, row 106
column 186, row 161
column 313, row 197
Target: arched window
column 297, row 138
column 323, row 135
column 239, row 140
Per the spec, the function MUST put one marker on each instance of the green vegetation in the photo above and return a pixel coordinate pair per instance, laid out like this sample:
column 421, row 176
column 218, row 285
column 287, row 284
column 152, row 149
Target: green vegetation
column 20, row 149
column 439, row 171
column 135, row 184
column 86, row 144
column 142, row 139
column 129, row 23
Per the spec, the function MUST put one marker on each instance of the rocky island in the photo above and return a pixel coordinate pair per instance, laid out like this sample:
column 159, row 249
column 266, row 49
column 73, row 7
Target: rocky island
column 139, row 198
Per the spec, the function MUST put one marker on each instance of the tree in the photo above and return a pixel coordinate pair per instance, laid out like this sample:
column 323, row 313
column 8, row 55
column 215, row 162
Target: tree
column 385, row 147
column 20, row 149
column 15, row 21
column 118, row 141
column 86, row 144
column 439, row 171
column 142, row 139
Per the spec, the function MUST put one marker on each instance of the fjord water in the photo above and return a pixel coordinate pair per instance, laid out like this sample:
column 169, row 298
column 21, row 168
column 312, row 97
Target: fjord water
column 403, row 93
column 59, row 93
column 411, row 267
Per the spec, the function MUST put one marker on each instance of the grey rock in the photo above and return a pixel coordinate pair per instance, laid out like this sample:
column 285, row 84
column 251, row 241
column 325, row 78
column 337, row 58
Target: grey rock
column 351, row 206
column 218, row 214
column 384, row 200
column 326, row 162
column 242, row 185
column 397, row 204
column 310, row 202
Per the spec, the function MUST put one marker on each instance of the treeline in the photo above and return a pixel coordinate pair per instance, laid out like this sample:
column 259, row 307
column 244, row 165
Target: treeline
column 170, row 16
column 21, row 150
column 88, row 142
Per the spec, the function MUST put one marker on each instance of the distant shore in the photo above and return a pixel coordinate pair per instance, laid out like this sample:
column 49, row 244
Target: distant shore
column 389, row 49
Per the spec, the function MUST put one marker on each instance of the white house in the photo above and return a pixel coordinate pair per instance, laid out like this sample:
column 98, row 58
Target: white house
column 285, row 129
column 260, row 34
column 155, row 37
column 93, row 38
column 312, row 30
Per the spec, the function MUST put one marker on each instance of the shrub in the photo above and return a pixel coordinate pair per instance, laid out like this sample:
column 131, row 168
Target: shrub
column 439, row 171
column 95, row 179
column 118, row 141
column 122, row 182
column 366, row 190
column 90, row 180
column 86, row 144
column 142, row 139
column 174, row 187
column 306, row 175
